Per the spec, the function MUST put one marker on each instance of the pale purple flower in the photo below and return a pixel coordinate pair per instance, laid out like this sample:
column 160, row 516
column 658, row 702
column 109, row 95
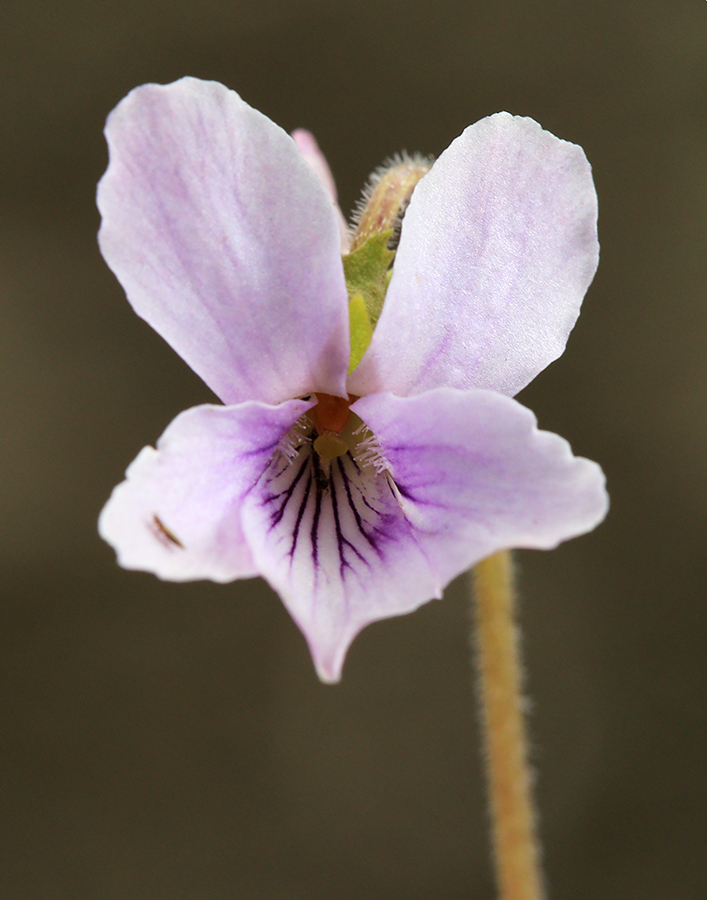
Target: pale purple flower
column 223, row 231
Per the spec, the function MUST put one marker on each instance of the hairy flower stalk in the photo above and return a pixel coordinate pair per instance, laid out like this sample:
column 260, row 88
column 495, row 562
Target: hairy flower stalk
column 513, row 821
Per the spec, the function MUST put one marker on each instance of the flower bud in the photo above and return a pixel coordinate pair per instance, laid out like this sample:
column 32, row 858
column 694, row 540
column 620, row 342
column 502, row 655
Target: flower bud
column 386, row 197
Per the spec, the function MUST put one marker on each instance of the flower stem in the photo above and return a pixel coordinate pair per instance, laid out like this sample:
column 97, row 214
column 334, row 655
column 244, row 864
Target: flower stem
column 515, row 842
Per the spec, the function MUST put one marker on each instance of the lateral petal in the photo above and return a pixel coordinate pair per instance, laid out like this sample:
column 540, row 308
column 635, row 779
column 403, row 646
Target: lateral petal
column 178, row 513
column 225, row 241
column 477, row 476
column 497, row 249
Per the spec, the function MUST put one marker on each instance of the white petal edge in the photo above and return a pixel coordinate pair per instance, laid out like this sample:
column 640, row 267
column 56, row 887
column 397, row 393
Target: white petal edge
column 497, row 249
column 178, row 513
column 225, row 241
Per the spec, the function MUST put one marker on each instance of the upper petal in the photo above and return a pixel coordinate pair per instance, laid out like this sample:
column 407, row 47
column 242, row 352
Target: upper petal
column 225, row 241
column 309, row 148
column 497, row 249
column 178, row 513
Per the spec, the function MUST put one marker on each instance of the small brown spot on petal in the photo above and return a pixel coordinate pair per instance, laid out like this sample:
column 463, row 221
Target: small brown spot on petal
column 164, row 535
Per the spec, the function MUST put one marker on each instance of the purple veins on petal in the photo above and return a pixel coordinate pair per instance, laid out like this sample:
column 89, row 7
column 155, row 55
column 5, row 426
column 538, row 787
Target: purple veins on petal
column 343, row 543
column 189, row 489
column 308, row 497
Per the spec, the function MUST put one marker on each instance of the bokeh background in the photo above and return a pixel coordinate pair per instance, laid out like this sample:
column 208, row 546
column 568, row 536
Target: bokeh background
column 171, row 742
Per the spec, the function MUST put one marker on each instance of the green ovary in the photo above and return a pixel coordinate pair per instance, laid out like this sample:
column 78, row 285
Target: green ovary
column 330, row 445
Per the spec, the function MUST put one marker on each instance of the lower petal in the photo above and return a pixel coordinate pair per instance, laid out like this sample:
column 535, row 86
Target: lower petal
column 336, row 546
column 449, row 478
column 178, row 513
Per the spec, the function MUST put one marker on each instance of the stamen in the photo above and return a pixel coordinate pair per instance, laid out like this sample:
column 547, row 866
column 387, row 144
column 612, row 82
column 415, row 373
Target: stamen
column 292, row 442
column 369, row 452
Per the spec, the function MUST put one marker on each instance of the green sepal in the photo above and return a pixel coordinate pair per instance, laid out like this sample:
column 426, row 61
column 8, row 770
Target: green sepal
column 366, row 273
column 360, row 329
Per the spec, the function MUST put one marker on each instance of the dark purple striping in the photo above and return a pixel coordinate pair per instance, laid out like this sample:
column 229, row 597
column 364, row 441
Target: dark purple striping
column 287, row 493
column 314, row 534
column 340, row 484
column 354, row 510
column 404, row 491
column 341, row 541
column 300, row 513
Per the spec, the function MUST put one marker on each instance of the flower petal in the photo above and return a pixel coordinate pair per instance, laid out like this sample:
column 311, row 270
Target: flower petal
column 497, row 249
column 337, row 548
column 225, row 242
column 309, row 148
column 471, row 474
column 177, row 514
column 476, row 475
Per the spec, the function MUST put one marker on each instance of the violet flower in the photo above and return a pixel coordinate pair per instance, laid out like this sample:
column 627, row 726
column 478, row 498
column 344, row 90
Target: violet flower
column 229, row 244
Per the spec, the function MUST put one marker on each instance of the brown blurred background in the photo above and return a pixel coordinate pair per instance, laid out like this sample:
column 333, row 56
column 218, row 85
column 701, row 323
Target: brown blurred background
column 171, row 742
